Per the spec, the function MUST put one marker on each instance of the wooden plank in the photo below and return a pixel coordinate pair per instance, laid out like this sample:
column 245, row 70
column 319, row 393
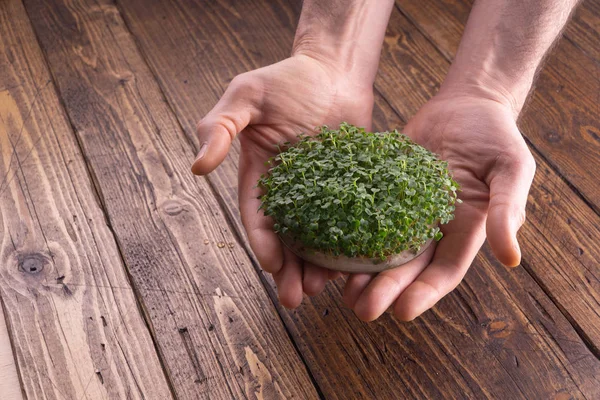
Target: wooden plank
column 73, row 318
column 10, row 387
column 584, row 31
column 561, row 117
column 216, row 329
column 498, row 335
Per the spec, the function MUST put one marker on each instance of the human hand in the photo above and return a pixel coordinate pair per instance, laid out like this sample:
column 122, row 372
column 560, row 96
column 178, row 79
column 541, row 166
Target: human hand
column 471, row 124
column 267, row 107
column 328, row 80
column 490, row 160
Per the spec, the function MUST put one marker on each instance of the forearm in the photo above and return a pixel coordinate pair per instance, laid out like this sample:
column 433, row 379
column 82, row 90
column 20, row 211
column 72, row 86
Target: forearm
column 503, row 45
column 347, row 34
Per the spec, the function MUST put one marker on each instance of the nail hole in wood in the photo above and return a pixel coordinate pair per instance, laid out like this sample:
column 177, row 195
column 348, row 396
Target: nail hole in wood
column 31, row 263
column 172, row 207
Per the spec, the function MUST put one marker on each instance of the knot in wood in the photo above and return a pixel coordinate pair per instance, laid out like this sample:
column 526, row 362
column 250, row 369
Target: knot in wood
column 172, row 207
column 499, row 329
column 553, row 136
column 32, row 263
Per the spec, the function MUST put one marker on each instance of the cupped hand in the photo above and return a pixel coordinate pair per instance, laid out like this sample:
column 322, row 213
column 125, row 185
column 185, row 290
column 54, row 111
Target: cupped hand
column 490, row 160
column 267, row 107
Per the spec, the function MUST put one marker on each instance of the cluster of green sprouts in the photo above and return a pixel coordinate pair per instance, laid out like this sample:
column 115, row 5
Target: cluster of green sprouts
column 358, row 193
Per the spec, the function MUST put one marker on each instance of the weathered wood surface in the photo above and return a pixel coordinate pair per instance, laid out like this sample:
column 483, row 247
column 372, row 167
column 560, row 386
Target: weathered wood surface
column 133, row 92
column 499, row 334
column 216, row 329
column 10, row 387
column 74, row 323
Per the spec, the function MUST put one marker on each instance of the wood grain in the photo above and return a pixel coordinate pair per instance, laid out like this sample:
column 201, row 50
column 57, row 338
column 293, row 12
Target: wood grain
column 497, row 336
column 220, row 40
column 10, row 387
column 74, row 323
column 561, row 118
column 583, row 31
column 217, row 331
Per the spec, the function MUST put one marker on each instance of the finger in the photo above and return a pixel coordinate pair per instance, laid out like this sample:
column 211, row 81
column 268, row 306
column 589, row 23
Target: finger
column 355, row 285
column 333, row 275
column 237, row 108
column 509, row 189
column 264, row 242
column 289, row 281
column 385, row 288
column 314, row 279
column 453, row 256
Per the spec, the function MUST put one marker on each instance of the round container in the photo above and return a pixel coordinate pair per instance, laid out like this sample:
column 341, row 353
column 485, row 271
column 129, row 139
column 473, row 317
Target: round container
column 351, row 264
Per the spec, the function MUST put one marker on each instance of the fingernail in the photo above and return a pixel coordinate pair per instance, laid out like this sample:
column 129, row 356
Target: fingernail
column 202, row 151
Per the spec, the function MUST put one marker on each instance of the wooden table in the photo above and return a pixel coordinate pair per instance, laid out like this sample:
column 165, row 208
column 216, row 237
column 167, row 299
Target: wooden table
column 124, row 276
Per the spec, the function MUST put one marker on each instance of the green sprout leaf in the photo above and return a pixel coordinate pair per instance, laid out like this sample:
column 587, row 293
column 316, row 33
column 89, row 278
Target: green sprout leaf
column 358, row 193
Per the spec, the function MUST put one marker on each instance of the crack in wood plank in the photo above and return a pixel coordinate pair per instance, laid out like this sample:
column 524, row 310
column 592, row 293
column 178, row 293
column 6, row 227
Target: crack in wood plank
column 230, row 218
column 44, row 112
column 580, row 332
column 152, row 195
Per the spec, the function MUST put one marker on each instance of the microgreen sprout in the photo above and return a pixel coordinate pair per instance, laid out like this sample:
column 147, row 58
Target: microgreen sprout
column 360, row 194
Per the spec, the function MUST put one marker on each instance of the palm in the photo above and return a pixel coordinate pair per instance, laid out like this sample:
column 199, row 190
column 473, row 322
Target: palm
column 490, row 160
column 456, row 133
column 281, row 101
column 480, row 140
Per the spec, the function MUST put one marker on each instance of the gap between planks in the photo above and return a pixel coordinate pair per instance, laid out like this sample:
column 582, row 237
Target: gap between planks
column 145, row 64
column 29, row 52
column 578, row 330
column 220, row 200
column 102, row 206
column 424, row 319
column 233, row 210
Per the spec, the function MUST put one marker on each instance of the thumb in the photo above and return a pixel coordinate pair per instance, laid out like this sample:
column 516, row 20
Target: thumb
column 237, row 108
column 509, row 188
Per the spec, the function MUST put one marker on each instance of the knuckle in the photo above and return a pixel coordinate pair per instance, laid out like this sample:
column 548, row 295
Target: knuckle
column 528, row 164
column 506, row 201
column 244, row 84
column 518, row 157
column 406, row 313
column 218, row 123
column 230, row 124
column 389, row 281
column 507, row 207
column 200, row 124
column 524, row 163
column 239, row 82
column 520, row 216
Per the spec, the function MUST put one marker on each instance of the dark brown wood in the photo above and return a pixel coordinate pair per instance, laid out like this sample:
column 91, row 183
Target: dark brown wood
column 583, row 31
column 216, row 329
column 526, row 333
column 74, row 323
column 497, row 336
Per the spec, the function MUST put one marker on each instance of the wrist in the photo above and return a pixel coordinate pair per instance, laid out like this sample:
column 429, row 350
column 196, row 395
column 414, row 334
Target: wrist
column 512, row 95
column 502, row 47
column 346, row 36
